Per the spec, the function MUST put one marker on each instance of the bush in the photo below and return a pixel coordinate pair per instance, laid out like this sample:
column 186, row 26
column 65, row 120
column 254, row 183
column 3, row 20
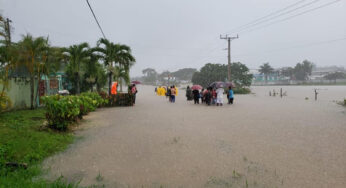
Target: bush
column 97, row 98
column 240, row 90
column 345, row 102
column 61, row 110
column 86, row 105
column 121, row 99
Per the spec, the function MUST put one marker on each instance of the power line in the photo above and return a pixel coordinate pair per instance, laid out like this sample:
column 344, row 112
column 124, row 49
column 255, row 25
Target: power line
column 271, row 14
column 104, row 36
column 293, row 16
column 279, row 15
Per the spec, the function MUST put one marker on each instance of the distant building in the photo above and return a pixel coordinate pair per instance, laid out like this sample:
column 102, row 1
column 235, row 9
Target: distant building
column 273, row 78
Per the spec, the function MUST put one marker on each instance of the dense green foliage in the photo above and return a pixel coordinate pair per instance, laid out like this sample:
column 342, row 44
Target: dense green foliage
column 303, row 70
column 61, row 111
column 117, row 58
column 121, row 99
column 218, row 72
column 84, row 66
column 98, row 101
column 23, row 140
column 76, row 56
column 184, row 74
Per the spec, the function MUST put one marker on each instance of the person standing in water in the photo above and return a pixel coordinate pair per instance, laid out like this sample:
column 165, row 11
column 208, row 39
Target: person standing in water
column 173, row 93
column 196, row 96
column 230, row 95
column 134, row 93
column 188, row 93
column 219, row 97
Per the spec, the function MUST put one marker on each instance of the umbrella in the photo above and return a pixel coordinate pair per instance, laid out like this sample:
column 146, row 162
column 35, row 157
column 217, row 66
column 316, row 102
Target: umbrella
column 196, row 87
column 230, row 84
column 136, row 82
column 217, row 84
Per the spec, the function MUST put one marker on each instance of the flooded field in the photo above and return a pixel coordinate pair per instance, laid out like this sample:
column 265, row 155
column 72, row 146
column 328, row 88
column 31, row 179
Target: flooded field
column 260, row 141
column 325, row 93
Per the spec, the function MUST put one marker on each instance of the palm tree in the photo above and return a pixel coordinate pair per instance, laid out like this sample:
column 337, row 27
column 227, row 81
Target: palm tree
column 114, row 55
column 94, row 73
column 33, row 54
column 76, row 55
column 266, row 69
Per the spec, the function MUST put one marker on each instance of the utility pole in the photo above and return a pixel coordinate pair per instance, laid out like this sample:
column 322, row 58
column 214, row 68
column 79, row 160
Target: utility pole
column 229, row 39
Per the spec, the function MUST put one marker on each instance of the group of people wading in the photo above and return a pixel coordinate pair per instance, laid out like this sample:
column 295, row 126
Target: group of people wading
column 209, row 96
column 170, row 92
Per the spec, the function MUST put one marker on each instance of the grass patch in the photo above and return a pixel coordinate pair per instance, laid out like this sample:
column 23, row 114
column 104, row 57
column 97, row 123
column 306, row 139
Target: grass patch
column 240, row 90
column 24, row 141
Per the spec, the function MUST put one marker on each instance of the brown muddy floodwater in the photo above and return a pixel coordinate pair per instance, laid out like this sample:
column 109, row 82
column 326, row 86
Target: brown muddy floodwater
column 260, row 141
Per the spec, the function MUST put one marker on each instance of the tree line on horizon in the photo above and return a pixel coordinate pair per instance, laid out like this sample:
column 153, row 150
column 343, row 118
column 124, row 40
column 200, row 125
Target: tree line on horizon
column 84, row 66
column 301, row 72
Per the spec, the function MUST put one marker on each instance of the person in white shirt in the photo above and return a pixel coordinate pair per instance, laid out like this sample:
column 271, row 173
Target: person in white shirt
column 219, row 98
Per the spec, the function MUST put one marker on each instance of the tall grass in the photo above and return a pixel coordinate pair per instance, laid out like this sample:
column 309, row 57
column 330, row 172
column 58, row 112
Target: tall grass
column 24, row 140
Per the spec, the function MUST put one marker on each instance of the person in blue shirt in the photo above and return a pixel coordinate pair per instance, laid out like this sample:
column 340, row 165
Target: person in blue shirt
column 230, row 95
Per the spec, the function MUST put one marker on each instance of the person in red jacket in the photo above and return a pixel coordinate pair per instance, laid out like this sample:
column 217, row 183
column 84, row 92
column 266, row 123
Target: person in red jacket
column 114, row 88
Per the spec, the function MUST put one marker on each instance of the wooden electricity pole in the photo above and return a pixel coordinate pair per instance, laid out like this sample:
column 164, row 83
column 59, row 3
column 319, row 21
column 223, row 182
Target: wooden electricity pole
column 229, row 39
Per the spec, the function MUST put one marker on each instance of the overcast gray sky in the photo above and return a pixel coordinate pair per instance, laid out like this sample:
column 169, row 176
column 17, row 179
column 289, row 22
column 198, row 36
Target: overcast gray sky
column 173, row 34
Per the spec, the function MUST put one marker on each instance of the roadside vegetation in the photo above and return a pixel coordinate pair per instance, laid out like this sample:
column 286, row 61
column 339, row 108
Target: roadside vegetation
column 27, row 137
column 24, row 144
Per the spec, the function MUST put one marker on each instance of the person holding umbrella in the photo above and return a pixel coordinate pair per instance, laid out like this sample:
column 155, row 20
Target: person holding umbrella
column 188, row 93
column 196, row 96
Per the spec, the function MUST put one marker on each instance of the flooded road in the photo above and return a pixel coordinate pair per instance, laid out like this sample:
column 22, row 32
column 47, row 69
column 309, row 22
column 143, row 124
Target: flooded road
column 260, row 141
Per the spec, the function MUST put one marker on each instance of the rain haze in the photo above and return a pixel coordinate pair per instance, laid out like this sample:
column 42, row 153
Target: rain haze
column 148, row 93
column 169, row 35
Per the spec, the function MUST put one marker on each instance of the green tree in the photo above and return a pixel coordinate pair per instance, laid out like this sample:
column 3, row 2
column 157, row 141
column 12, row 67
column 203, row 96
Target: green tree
column 76, row 55
column 266, row 69
column 33, row 55
column 150, row 75
column 240, row 75
column 114, row 55
column 210, row 73
column 303, row 70
column 335, row 75
column 184, row 74
column 218, row 72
